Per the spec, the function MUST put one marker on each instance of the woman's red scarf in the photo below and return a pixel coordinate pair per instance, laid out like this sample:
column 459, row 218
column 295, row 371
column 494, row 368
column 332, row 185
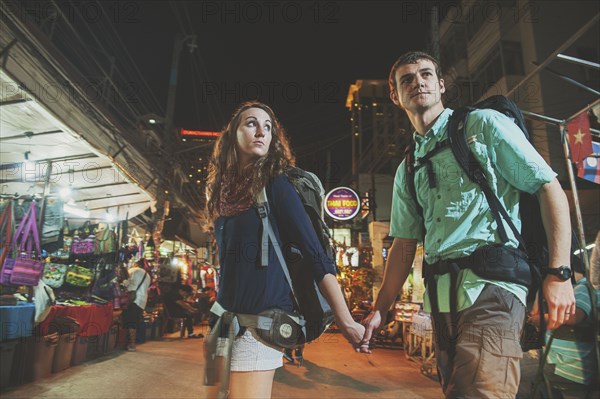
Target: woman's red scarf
column 235, row 196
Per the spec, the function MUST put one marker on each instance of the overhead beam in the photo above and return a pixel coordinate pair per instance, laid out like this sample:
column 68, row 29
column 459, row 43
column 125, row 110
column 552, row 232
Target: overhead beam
column 16, row 101
column 120, row 205
column 108, row 197
column 28, row 135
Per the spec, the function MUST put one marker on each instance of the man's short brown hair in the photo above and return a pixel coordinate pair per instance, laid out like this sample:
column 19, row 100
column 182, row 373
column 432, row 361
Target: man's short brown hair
column 411, row 58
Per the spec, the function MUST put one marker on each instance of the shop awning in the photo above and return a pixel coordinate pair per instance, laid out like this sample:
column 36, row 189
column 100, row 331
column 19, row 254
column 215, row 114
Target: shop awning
column 33, row 141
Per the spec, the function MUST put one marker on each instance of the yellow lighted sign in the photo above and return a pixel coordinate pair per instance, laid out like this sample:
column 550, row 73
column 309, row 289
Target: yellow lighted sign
column 342, row 203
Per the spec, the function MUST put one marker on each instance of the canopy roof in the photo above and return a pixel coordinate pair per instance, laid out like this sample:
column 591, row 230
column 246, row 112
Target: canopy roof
column 29, row 132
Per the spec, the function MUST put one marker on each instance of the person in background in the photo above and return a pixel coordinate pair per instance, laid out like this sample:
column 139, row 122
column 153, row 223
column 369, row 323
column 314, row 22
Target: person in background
column 476, row 339
column 253, row 153
column 205, row 300
column 137, row 288
column 571, row 358
column 177, row 306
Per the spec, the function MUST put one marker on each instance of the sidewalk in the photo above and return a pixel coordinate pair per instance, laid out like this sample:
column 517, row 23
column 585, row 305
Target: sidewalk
column 173, row 368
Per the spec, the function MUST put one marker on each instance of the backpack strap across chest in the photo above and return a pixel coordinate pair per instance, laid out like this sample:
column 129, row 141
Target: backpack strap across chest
column 457, row 137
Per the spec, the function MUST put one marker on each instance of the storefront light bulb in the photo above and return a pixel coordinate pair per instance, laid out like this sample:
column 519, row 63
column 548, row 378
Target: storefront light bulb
column 109, row 217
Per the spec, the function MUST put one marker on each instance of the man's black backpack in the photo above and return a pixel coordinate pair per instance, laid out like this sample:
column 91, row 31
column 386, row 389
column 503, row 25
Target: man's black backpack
column 532, row 237
column 314, row 311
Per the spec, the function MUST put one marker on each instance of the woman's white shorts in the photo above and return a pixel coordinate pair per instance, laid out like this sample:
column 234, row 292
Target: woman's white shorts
column 249, row 354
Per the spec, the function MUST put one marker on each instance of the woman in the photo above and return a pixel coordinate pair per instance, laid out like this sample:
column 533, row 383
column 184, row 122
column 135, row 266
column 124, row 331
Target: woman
column 251, row 153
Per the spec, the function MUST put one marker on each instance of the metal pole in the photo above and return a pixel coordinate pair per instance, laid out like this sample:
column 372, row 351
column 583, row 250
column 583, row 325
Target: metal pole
column 549, row 120
column 178, row 45
column 552, row 56
column 578, row 61
column 372, row 197
column 570, row 80
column 580, row 230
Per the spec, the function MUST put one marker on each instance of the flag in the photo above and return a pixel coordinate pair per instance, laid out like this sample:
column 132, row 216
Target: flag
column 580, row 139
column 590, row 168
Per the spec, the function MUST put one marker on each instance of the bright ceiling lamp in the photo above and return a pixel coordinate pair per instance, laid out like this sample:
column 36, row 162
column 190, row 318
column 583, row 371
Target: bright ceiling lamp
column 64, row 192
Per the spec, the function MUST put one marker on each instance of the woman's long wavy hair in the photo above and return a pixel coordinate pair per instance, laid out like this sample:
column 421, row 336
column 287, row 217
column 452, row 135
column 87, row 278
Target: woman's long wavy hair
column 225, row 158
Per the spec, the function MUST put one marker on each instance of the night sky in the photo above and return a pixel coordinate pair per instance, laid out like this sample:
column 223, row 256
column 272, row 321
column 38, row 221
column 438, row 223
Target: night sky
column 298, row 56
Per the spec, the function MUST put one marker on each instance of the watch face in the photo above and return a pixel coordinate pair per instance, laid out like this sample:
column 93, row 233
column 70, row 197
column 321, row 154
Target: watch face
column 564, row 272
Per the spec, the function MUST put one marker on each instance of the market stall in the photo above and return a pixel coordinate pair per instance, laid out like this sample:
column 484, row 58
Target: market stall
column 67, row 208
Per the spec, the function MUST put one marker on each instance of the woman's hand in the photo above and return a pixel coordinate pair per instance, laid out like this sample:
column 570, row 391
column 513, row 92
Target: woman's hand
column 354, row 333
column 371, row 322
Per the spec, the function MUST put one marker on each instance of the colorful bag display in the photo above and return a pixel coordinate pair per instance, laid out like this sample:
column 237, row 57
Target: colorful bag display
column 79, row 276
column 84, row 241
column 52, row 220
column 106, row 242
column 54, row 274
column 64, row 251
column 25, row 268
column 106, row 278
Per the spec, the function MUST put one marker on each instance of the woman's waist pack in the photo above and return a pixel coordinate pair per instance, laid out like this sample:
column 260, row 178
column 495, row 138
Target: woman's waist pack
column 274, row 327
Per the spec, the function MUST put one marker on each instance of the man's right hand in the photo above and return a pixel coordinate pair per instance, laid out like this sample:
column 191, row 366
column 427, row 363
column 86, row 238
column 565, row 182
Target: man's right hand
column 371, row 322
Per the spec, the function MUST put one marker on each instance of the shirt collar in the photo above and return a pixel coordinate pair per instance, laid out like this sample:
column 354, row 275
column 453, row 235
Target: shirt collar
column 436, row 129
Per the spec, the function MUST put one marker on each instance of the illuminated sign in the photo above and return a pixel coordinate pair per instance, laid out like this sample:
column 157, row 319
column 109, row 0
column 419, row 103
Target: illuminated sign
column 342, row 203
column 198, row 133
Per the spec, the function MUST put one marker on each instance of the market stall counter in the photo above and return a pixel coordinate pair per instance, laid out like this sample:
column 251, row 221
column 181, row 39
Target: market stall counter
column 94, row 322
column 16, row 321
column 93, row 319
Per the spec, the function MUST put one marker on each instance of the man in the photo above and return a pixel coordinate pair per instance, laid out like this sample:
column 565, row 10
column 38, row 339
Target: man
column 479, row 356
column 178, row 307
column 137, row 288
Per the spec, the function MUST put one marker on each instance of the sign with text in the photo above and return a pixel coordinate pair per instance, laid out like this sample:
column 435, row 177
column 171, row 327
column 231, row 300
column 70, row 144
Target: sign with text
column 342, row 203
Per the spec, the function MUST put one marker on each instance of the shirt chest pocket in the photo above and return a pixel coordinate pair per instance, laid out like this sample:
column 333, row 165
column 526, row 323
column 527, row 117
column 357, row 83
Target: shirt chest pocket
column 453, row 191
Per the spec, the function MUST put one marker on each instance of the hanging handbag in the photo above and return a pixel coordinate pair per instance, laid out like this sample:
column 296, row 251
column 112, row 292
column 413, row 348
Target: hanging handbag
column 64, row 250
column 7, row 222
column 52, row 221
column 54, row 274
column 106, row 242
column 79, row 276
column 84, row 242
column 25, row 268
column 105, row 277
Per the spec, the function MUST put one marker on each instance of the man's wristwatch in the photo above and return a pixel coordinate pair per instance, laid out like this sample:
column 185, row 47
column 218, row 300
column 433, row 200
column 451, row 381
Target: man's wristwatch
column 562, row 272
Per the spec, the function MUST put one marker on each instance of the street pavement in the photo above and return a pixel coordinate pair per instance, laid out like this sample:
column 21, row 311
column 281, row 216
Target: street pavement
column 173, row 367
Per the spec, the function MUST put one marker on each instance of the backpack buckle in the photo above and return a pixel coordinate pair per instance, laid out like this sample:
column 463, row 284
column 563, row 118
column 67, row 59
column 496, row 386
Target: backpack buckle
column 478, row 176
column 263, row 211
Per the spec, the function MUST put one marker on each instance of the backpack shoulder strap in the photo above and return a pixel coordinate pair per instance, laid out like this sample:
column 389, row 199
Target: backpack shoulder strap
column 457, row 136
column 409, row 170
column 262, row 205
column 269, row 234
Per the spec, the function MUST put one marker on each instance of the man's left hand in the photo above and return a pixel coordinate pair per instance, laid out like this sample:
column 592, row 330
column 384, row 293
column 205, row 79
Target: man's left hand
column 560, row 299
